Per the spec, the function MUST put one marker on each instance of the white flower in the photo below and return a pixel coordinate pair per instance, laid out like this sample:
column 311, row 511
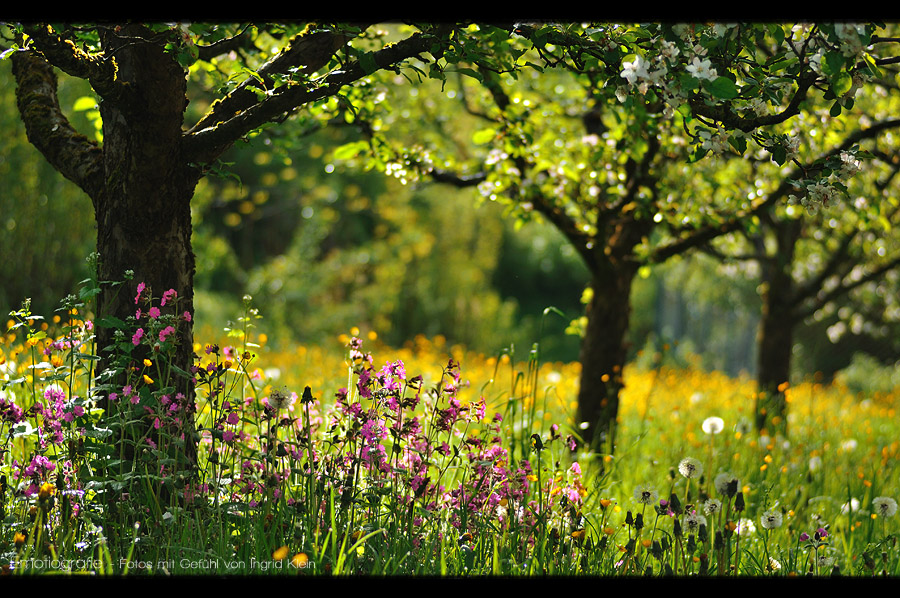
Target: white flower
column 701, row 69
column 745, row 527
column 713, row 425
column 885, row 506
column 634, row 70
column 693, row 521
column 723, row 481
column 668, row 49
column 690, row 468
column 712, row 507
column 280, row 399
column 849, row 165
column 645, row 494
column 815, row 462
column 850, row 507
column 771, row 519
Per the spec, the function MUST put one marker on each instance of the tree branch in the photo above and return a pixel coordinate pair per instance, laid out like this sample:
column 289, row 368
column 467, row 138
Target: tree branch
column 99, row 71
column 240, row 114
column 71, row 153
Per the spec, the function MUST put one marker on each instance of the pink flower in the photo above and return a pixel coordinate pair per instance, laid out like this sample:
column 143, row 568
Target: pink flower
column 187, row 316
column 154, row 312
column 168, row 296
column 165, row 332
column 227, row 435
column 140, row 289
column 136, row 339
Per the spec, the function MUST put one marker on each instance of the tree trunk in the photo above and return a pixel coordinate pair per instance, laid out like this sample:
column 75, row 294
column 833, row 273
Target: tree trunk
column 603, row 354
column 143, row 209
column 776, row 333
column 773, row 365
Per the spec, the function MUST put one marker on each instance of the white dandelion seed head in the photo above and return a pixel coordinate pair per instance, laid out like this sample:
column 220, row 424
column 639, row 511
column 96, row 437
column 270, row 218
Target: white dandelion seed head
column 850, row 507
column 723, row 480
column 771, row 519
column 645, row 494
column 713, row 425
column 885, row 506
column 693, row 521
column 280, row 399
column 712, row 507
column 690, row 468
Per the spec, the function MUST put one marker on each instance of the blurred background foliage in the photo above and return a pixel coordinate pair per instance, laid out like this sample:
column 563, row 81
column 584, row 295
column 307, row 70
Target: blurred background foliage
column 323, row 247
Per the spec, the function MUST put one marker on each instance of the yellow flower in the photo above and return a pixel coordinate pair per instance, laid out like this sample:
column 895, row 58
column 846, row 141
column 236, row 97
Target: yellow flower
column 148, row 379
column 148, row 363
column 47, row 489
column 280, row 554
column 300, row 560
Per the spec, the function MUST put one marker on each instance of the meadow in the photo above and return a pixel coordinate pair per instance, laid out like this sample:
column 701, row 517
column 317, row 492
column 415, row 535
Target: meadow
column 357, row 458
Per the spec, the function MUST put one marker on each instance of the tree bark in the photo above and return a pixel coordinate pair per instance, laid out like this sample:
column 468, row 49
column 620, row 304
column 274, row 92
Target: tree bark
column 603, row 353
column 143, row 210
column 776, row 333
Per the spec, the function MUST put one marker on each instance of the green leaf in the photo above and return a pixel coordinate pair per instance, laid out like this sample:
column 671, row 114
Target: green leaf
column 348, row 151
column 779, row 154
column 841, row 83
column 110, row 322
column 832, row 63
column 722, row 88
column 367, row 62
column 483, row 136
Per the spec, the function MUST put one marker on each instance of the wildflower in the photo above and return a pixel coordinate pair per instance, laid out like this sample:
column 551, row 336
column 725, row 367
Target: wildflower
column 693, row 521
column 745, row 527
column 645, row 494
column 140, row 289
column 279, row 400
column 713, row 425
column 726, row 484
column 168, row 296
column 850, row 507
column 138, row 335
column 771, row 519
column 884, row 506
column 712, row 507
column 153, row 312
column 280, row 554
column 165, row 332
column 690, row 468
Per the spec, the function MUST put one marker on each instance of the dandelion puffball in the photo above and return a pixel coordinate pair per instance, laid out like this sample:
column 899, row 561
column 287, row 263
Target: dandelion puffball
column 713, row 425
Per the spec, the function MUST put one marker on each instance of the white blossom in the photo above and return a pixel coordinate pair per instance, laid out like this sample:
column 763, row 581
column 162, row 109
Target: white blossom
column 701, row 69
